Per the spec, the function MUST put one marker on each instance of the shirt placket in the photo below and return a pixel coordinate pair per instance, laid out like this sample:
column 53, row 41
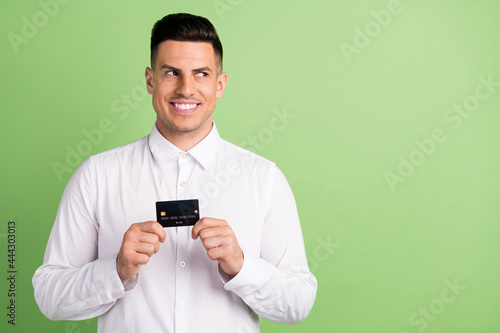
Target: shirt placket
column 182, row 301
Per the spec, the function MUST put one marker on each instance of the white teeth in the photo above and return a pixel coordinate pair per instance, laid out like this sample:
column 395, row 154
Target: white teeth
column 185, row 106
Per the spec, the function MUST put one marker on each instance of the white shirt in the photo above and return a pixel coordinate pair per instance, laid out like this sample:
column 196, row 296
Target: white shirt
column 180, row 289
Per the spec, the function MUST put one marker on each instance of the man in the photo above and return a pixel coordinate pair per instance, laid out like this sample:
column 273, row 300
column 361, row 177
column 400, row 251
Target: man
column 245, row 257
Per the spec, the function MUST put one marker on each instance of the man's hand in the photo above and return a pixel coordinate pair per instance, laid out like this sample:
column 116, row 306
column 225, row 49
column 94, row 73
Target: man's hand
column 140, row 242
column 220, row 242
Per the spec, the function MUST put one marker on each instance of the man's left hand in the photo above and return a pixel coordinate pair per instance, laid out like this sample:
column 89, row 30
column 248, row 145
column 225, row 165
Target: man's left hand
column 220, row 242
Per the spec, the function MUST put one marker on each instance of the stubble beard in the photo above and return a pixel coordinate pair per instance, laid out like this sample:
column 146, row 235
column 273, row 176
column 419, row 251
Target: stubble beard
column 174, row 129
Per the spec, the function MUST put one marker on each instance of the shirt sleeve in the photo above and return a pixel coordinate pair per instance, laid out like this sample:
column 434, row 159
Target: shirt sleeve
column 278, row 285
column 72, row 284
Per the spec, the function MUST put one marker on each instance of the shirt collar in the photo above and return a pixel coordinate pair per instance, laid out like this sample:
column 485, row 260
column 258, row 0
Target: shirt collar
column 204, row 152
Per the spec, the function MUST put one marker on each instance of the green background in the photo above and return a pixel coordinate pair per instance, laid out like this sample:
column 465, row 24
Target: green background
column 384, row 249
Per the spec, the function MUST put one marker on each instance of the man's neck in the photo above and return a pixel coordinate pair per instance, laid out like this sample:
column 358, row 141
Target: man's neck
column 185, row 140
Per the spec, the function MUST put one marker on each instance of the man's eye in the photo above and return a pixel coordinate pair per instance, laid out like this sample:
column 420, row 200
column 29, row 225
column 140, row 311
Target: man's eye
column 171, row 73
column 201, row 74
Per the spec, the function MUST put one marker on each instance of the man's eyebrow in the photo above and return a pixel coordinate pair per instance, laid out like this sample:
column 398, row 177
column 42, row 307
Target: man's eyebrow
column 167, row 66
column 201, row 69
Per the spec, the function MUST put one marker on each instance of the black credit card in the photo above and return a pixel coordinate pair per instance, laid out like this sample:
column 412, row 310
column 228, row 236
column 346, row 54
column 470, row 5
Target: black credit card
column 177, row 213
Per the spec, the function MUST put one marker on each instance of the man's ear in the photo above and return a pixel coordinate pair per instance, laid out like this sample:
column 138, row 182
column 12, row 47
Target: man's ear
column 149, row 80
column 221, row 85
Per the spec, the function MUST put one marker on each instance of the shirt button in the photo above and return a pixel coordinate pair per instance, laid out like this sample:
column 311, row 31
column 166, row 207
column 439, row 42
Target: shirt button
column 184, row 155
column 114, row 295
column 183, row 183
column 182, row 304
column 182, row 264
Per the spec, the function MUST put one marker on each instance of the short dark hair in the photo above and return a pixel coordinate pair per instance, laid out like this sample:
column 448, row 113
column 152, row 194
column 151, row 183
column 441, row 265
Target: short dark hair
column 183, row 27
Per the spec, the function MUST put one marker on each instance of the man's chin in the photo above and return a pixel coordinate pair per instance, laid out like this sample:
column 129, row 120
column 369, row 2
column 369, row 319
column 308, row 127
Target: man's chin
column 185, row 130
column 181, row 128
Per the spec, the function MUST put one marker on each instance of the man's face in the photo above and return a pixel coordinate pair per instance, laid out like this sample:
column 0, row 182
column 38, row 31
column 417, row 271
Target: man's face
column 185, row 85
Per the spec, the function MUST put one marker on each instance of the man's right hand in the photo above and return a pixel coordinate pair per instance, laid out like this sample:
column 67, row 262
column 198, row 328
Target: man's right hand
column 140, row 242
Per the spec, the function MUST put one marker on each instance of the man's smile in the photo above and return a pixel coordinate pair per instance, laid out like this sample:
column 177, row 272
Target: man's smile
column 184, row 107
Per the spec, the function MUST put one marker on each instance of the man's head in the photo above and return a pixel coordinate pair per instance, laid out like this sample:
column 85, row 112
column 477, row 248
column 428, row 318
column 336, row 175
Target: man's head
column 185, row 77
column 184, row 27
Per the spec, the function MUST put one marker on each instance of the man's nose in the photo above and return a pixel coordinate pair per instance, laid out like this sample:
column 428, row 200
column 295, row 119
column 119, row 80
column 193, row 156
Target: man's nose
column 186, row 86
